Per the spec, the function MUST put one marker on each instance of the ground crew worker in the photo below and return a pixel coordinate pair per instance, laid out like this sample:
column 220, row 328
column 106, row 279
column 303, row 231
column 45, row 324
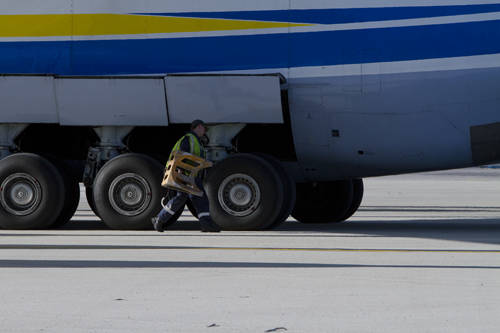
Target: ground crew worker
column 189, row 143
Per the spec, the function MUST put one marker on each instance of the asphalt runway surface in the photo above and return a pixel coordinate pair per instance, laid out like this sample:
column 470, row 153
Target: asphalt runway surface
column 421, row 255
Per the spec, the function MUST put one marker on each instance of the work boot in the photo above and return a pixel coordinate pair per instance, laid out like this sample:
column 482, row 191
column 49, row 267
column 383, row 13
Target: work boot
column 157, row 224
column 209, row 226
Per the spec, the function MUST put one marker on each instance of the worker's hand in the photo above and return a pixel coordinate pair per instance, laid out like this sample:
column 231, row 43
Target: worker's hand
column 205, row 140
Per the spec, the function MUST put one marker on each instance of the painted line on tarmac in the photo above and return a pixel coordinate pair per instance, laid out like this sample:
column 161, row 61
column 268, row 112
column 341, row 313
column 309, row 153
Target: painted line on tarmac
column 9, row 263
column 229, row 248
column 346, row 250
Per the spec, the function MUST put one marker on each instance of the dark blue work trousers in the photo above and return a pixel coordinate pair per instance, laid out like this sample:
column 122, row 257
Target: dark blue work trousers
column 177, row 202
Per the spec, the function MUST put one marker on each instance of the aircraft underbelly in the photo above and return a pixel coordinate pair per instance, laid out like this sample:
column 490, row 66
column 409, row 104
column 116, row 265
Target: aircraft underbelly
column 374, row 89
column 345, row 127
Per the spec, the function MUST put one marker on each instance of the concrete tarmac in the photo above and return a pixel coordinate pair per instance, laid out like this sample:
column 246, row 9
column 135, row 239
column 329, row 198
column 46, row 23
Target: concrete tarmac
column 421, row 255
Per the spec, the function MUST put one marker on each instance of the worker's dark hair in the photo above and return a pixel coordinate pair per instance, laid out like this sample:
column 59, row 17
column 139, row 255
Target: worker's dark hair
column 196, row 123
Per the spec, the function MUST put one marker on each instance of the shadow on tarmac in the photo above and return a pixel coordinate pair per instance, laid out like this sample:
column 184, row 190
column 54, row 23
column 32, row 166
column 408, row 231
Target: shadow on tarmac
column 480, row 230
column 466, row 230
column 201, row 264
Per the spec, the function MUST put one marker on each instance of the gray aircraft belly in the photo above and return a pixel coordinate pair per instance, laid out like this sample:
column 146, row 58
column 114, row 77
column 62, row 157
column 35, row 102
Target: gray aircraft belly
column 373, row 125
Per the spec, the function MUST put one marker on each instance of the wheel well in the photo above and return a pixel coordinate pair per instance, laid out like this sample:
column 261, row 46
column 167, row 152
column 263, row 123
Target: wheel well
column 275, row 139
column 156, row 142
column 73, row 142
column 65, row 142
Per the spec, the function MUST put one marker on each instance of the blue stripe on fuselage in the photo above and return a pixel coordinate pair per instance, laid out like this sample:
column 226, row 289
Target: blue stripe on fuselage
column 343, row 15
column 202, row 54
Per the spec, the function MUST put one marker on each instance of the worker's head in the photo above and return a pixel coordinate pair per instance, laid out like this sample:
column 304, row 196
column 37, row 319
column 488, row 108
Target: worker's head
column 198, row 127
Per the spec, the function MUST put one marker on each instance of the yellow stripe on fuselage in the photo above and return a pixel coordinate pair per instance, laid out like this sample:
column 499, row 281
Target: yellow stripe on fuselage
column 119, row 24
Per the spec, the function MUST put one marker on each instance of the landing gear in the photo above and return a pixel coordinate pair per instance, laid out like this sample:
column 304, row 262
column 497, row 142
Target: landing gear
column 127, row 191
column 31, row 192
column 245, row 193
column 327, row 202
column 89, row 194
column 357, row 197
column 110, row 145
column 289, row 191
column 71, row 197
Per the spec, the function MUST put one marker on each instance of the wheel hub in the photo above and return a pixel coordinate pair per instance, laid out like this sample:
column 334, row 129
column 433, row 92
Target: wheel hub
column 130, row 194
column 239, row 195
column 21, row 194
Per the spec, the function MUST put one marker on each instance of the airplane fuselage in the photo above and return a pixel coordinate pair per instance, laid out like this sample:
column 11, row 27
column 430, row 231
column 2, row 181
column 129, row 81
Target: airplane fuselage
column 374, row 87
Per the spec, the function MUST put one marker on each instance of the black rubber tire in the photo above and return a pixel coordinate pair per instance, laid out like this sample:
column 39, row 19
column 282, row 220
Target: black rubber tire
column 89, row 194
column 51, row 185
column 324, row 202
column 357, row 198
column 289, row 190
column 72, row 194
column 141, row 165
column 267, row 180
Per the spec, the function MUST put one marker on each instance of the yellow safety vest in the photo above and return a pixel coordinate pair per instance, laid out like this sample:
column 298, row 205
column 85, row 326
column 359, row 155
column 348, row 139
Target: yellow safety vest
column 194, row 146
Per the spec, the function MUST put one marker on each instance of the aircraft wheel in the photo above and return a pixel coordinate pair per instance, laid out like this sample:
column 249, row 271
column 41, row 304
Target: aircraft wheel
column 324, row 202
column 89, row 194
column 357, row 197
column 289, row 190
column 71, row 198
column 31, row 192
column 127, row 191
column 245, row 193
